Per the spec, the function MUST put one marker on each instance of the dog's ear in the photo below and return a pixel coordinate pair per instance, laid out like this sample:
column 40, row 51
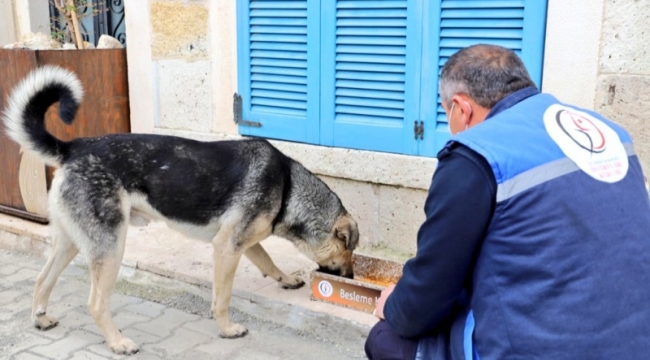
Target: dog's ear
column 347, row 231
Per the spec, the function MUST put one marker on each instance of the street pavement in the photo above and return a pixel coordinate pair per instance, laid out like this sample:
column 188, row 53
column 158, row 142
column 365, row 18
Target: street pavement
column 176, row 326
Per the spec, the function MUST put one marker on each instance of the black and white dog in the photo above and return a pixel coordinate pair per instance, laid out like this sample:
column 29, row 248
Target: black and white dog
column 233, row 194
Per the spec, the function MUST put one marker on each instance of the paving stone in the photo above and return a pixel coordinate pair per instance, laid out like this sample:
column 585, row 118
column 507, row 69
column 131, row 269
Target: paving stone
column 118, row 301
column 27, row 356
column 203, row 326
column 18, row 341
column 182, row 340
column 8, row 269
column 250, row 354
column 86, row 355
column 63, row 288
column 123, row 320
column 147, row 308
column 223, row 348
column 164, row 324
column 8, row 296
column 63, row 348
column 20, row 275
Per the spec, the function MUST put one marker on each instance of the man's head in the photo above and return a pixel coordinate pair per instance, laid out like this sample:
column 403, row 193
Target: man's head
column 475, row 78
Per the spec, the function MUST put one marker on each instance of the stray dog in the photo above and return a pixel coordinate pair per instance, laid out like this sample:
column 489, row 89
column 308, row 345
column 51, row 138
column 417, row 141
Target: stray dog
column 233, row 194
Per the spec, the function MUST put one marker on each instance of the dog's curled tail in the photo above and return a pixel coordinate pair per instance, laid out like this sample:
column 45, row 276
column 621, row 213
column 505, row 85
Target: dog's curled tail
column 25, row 114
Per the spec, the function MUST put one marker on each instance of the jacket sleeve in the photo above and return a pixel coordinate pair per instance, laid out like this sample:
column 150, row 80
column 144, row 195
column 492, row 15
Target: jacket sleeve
column 458, row 211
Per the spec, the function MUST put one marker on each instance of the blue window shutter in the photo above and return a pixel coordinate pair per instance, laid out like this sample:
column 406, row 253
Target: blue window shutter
column 278, row 68
column 370, row 53
column 516, row 24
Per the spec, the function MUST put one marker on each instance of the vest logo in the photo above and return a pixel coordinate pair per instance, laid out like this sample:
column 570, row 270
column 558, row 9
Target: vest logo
column 325, row 288
column 588, row 142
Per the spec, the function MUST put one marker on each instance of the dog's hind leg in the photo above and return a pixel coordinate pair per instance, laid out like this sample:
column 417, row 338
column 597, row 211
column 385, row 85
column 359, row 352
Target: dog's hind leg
column 258, row 256
column 103, row 273
column 226, row 260
column 62, row 254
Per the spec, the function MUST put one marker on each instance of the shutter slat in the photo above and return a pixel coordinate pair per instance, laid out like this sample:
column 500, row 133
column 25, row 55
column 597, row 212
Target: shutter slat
column 279, row 46
column 259, row 29
column 300, row 105
column 461, row 43
column 278, row 54
column 278, row 4
column 361, row 49
column 483, row 13
column 371, row 85
column 483, row 4
column 370, row 67
column 370, row 76
column 279, row 63
column 279, row 110
column 370, row 4
column 384, row 59
column 482, row 33
column 374, row 94
column 279, row 38
column 482, row 23
column 371, row 40
column 370, row 120
column 278, row 70
column 279, row 78
column 372, row 22
column 369, row 111
column 279, row 21
column 371, row 13
column 279, row 13
column 279, row 95
column 378, row 103
column 369, row 31
column 279, row 86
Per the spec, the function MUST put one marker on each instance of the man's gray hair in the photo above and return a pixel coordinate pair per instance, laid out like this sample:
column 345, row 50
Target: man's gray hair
column 486, row 73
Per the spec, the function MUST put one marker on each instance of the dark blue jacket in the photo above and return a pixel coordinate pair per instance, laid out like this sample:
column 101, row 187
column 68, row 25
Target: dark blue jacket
column 560, row 267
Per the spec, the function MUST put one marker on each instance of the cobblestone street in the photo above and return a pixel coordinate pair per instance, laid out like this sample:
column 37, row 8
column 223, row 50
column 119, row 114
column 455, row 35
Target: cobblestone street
column 161, row 331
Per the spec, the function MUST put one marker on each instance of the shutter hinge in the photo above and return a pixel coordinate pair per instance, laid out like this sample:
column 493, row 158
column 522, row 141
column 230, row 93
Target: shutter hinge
column 418, row 130
column 237, row 109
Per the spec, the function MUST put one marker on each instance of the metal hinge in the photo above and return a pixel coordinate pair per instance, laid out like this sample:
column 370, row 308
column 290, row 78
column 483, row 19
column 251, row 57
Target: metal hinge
column 418, row 130
column 237, row 109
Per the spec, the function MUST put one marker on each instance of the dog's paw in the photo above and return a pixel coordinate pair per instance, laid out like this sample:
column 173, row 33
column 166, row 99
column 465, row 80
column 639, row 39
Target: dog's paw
column 124, row 346
column 44, row 322
column 234, row 331
column 292, row 282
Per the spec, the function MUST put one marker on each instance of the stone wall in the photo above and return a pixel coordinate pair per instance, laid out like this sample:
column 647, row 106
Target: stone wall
column 623, row 88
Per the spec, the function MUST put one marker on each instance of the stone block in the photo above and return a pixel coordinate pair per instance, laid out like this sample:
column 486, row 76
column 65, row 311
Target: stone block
column 185, row 95
column 400, row 216
column 362, row 202
column 625, row 37
column 62, row 349
column 163, row 325
column 625, row 99
column 179, row 30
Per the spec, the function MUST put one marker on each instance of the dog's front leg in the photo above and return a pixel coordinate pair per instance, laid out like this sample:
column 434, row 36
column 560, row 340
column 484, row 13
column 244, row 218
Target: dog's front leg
column 258, row 256
column 225, row 266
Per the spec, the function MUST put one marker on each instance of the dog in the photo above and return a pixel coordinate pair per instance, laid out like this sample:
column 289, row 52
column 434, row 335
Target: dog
column 233, row 194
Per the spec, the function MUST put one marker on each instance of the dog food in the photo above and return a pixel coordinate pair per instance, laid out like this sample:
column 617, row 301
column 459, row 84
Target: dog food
column 371, row 276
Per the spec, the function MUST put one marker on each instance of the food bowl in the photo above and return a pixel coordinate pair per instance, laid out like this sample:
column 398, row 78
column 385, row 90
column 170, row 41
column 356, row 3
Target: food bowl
column 371, row 276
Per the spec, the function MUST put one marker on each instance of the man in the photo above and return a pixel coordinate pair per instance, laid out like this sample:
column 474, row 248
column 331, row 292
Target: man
column 536, row 238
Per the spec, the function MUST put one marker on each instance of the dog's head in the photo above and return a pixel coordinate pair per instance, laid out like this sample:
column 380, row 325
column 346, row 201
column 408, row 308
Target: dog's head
column 334, row 255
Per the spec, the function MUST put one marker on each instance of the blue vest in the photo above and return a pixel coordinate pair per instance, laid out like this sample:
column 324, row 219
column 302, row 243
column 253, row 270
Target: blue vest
column 564, row 270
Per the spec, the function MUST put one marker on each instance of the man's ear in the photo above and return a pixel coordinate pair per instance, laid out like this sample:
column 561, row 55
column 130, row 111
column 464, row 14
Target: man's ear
column 347, row 231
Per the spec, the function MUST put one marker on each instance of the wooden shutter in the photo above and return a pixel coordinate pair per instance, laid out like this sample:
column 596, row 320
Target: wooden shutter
column 370, row 74
column 278, row 68
column 516, row 24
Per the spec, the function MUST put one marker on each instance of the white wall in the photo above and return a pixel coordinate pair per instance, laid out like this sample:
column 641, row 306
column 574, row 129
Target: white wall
column 572, row 48
column 7, row 26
